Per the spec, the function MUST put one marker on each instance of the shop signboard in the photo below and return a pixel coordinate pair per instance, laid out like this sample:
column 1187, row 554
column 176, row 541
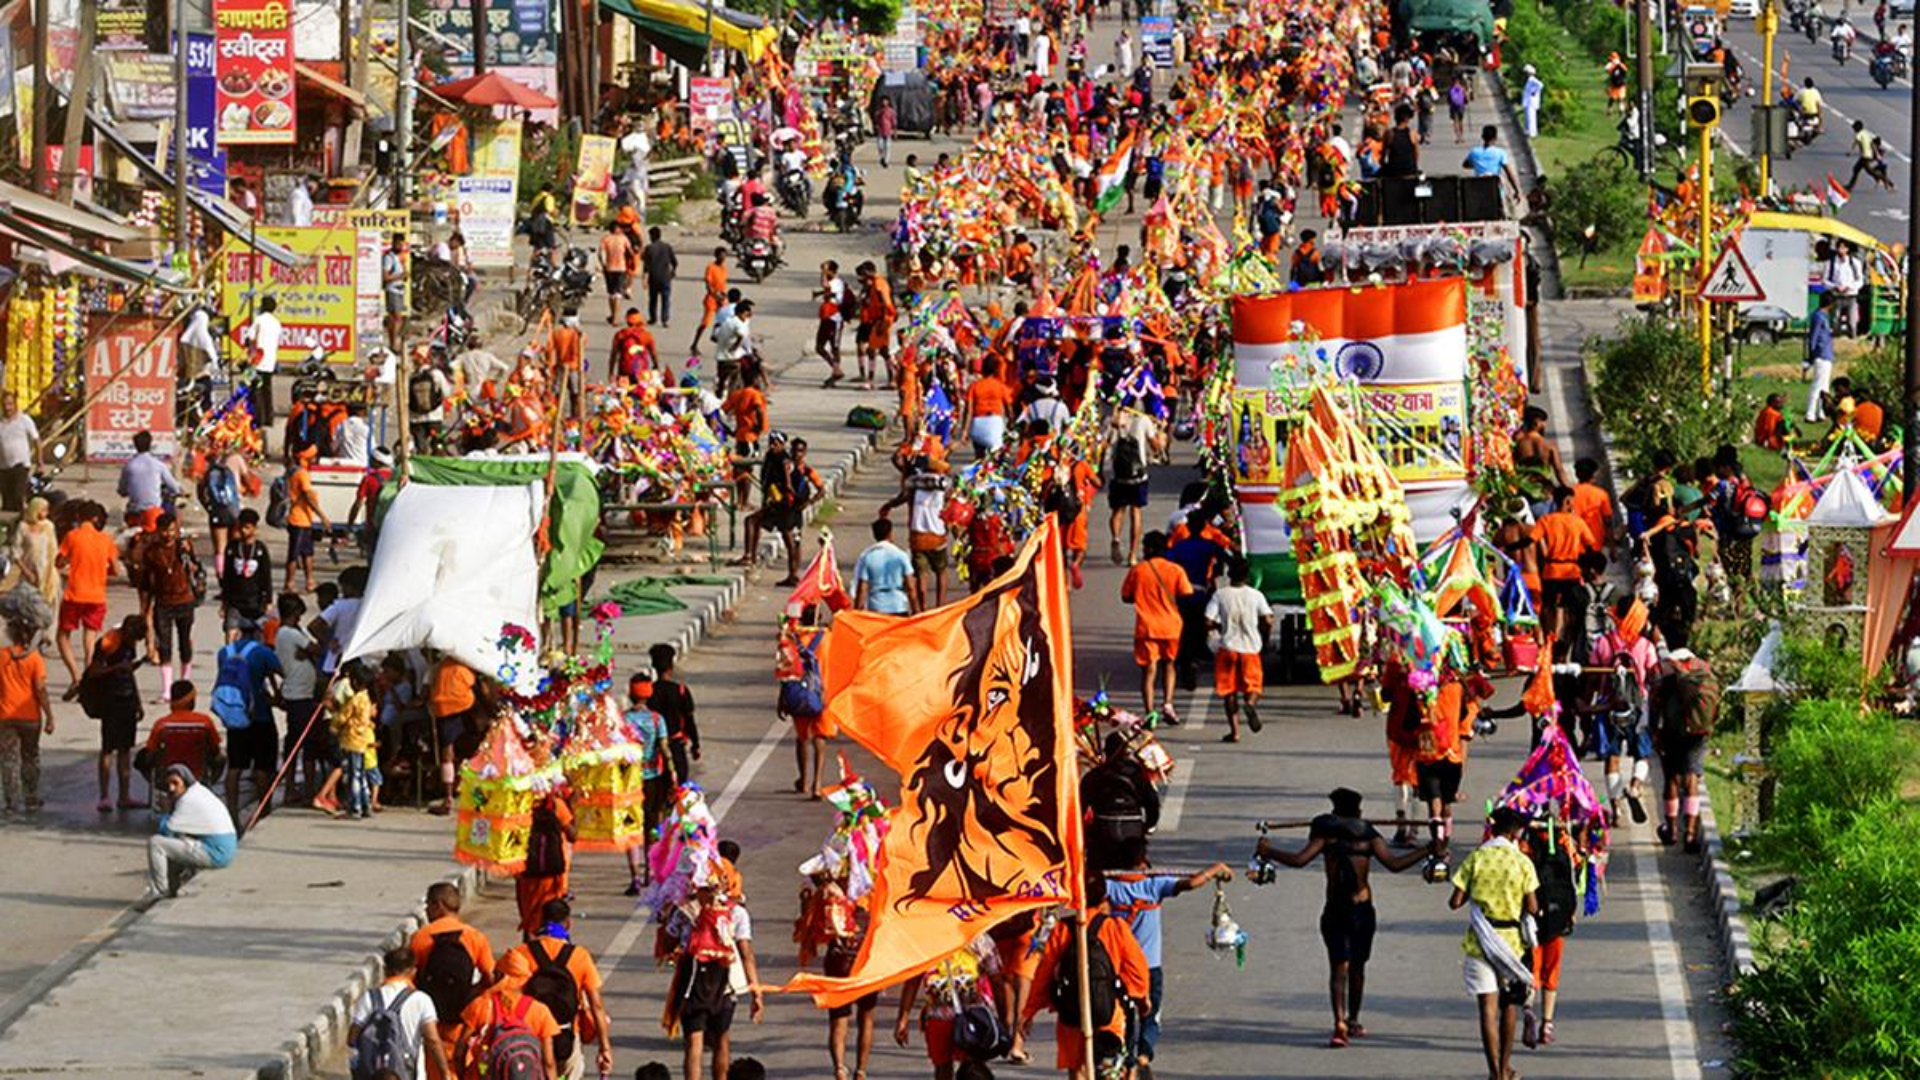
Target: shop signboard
column 142, row 85
column 486, row 218
column 253, row 69
column 372, row 231
column 130, row 381
column 120, row 26
column 709, row 101
column 208, row 160
column 519, row 32
column 593, row 179
column 317, row 302
column 1156, row 40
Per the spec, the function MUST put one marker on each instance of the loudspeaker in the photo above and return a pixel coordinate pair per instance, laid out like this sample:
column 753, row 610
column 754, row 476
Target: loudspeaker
column 1439, row 198
column 1397, row 203
column 1480, row 199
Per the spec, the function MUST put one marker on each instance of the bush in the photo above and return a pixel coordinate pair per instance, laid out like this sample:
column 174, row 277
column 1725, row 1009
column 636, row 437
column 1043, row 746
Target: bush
column 1603, row 194
column 1834, row 994
column 1836, row 760
column 1882, row 372
column 1646, row 381
column 1533, row 39
column 1817, row 670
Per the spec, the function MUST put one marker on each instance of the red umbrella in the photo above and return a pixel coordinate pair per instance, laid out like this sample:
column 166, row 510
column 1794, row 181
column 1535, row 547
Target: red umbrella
column 494, row 88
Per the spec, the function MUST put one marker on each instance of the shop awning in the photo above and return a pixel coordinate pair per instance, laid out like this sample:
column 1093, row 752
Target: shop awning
column 16, row 225
column 60, row 216
column 675, row 27
column 331, row 85
column 228, row 216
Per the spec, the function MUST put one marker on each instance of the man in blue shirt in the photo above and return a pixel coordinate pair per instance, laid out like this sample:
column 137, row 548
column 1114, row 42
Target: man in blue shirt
column 880, row 576
column 1490, row 160
column 1136, row 896
column 147, row 482
column 1820, row 357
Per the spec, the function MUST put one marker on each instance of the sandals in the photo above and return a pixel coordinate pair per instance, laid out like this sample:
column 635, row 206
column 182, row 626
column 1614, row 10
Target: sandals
column 1529, row 1029
column 1253, row 720
column 1230, row 737
column 1338, row 1041
column 1638, row 809
column 1356, row 1030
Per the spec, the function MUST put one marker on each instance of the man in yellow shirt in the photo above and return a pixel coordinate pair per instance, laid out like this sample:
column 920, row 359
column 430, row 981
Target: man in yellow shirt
column 1500, row 882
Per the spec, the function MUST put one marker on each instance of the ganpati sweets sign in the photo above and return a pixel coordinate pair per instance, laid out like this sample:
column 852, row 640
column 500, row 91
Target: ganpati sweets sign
column 130, row 380
column 253, row 71
column 316, row 301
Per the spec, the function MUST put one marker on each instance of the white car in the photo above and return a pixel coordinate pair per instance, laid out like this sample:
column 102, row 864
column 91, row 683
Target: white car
column 1900, row 9
column 1748, row 9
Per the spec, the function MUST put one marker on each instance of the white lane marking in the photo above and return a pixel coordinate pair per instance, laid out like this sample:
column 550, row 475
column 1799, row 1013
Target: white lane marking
column 1175, row 802
column 642, row 917
column 1668, row 974
column 1202, row 703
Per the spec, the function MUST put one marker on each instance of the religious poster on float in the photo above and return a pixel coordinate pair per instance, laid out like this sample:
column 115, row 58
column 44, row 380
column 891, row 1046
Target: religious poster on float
column 253, row 71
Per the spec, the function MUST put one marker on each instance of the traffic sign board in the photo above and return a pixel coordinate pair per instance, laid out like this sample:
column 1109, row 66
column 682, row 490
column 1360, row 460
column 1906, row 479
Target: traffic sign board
column 1731, row 280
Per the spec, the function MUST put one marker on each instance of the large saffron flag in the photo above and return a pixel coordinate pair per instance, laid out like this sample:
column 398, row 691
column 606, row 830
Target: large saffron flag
column 1411, row 332
column 1110, row 180
column 972, row 704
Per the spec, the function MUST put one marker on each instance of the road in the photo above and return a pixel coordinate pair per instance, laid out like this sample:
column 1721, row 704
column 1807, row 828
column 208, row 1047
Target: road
column 1850, row 95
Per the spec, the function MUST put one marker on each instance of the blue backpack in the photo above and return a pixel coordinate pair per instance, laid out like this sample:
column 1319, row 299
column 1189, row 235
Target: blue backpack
column 805, row 697
column 232, row 698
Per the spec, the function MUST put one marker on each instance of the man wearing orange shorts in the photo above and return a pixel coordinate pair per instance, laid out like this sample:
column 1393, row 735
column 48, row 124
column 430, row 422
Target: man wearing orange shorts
column 88, row 557
column 1154, row 587
column 716, row 283
column 1240, row 618
column 877, row 312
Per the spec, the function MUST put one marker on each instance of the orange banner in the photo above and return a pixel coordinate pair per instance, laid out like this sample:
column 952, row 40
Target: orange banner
column 972, row 704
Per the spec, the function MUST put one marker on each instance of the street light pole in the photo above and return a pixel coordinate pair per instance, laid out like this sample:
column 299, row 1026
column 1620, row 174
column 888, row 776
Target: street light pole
column 1769, row 27
column 180, row 155
column 1643, row 48
column 1910, row 418
column 1705, row 260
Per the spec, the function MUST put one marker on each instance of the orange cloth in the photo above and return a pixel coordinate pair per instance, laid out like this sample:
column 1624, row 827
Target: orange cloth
column 532, row 893
column 747, row 408
column 989, row 396
column 19, row 675
column 1154, row 588
column 1770, row 429
column 565, row 345
column 1563, row 537
column 1869, row 419
column 716, row 278
column 478, row 1017
column 452, row 690
column 1237, row 673
column 89, row 554
column 303, row 502
column 174, row 720
column 1129, row 964
column 1591, row 505
column 471, row 939
column 586, row 974
column 878, row 306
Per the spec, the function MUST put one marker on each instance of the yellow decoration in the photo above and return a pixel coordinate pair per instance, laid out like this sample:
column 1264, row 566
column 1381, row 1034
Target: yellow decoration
column 498, row 787
column 604, row 768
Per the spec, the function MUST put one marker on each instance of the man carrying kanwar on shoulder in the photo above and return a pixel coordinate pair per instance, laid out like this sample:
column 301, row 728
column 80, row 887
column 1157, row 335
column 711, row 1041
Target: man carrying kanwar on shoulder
column 1349, row 843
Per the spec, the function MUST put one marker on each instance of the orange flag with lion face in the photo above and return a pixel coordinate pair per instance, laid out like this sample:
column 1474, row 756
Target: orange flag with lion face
column 972, row 704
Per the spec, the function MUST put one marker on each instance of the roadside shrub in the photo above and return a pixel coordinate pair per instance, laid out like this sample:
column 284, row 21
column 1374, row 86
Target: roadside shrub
column 1881, row 371
column 1834, row 993
column 1835, row 760
column 1646, row 380
column 1815, row 669
column 1601, row 193
column 1532, row 39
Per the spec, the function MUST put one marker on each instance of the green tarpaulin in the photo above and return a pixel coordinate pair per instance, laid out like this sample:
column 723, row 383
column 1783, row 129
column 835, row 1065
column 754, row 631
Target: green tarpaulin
column 572, row 518
column 650, row 595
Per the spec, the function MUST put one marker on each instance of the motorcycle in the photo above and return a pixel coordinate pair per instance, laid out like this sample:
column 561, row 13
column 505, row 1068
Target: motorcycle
column 454, row 334
column 1802, row 130
column 795, row 192
column 730, row 217
column 845, row 202
column 1887, row 65
column 576, row 277
column 1842, row 49
column 757, row 256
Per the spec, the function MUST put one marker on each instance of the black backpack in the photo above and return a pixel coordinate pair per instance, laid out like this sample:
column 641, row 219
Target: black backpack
column 423, row 392
column 546, row 845
column 1129, row 463
column 552, row 985
column 1103, row 983
column 447, row 976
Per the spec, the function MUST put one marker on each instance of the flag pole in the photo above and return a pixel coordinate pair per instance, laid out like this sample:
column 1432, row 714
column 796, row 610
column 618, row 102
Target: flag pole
column 1079, row 924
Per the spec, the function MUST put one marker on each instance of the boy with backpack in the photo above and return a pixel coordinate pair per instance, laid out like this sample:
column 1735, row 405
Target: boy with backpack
column 244, row 686
column 797, row 667
column 716, row 965
column 1686, row 705
column 565, row 980
column 109, row 694
column 957, row 1016
column 506, row 1033
column 454, row 960
column 1118, row 988
column 549, row 858
column 395, row 1028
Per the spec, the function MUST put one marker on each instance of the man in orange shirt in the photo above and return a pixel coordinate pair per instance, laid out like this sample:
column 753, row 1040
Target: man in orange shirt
column 634, row 349
column 877, row 313
column 438, row 951
column 984, row 412
column 88, row 557
column 1129, row 965
column 1770, row 424
column 303, row 508
column 1561, row 538
column 183, row 720
column 566, row 351
column 503, row 1011
column 1440, row 754
column 746, row 408
column 553, row 944
column 716, row 279
column 1591, row 503
column 1155, row 587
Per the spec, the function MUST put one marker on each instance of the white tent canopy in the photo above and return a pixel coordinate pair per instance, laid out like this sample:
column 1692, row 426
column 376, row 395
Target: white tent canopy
column 1848, row 501
column 454, row 565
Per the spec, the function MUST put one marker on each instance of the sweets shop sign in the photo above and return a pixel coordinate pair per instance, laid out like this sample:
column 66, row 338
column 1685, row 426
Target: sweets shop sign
column 253, row 72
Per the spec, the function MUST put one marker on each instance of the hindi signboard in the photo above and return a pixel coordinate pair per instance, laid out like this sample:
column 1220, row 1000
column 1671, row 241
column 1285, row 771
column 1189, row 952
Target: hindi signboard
column 709, row 101
column 208, row 160
column 317, row 302
column 372, row 230
column 1156, row 40
column 253, row 71
column 130, row 379
column 486, row 218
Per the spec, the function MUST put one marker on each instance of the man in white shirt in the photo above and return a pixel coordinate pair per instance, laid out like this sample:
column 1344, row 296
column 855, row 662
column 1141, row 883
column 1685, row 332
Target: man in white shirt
column 1239, row 616
column 1123, row 55
column 1047, row 408
column 396, row 1026
column 263, row 335
column 19, row 449
column 300, row 203
column 735, row 341
column 1342, row 147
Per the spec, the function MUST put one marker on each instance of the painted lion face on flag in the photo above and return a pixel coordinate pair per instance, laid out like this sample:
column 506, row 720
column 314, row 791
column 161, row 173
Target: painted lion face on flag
column 984, row 796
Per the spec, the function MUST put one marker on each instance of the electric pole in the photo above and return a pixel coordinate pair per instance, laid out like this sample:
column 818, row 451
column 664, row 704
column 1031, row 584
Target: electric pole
column 479, row 8
column 403, row 114
column 180, row 154
column 79, row 92
column 1910, row 418
column 42, row 94
column 1643, row 48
